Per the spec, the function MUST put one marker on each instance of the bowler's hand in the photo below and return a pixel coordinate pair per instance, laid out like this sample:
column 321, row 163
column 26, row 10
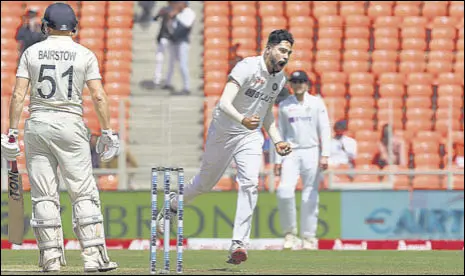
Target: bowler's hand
column 324, row 163
column 283, row 148
column 251, row 122
column 277, row 169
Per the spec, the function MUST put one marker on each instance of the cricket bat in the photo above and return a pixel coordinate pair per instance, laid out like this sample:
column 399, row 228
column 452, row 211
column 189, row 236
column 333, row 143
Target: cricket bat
column 15, row 205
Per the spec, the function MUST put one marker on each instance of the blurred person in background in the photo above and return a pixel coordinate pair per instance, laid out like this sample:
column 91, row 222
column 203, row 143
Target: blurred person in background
column 164, row 40
column 29, row 33
column 398, row 154
column 343, row 147
column 146, row 7
column 181, row 27
column 458, row 159
column 304, row 123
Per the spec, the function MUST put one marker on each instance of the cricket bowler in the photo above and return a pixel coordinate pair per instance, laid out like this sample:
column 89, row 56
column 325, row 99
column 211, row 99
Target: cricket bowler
column 55, row 137
column 234, row 133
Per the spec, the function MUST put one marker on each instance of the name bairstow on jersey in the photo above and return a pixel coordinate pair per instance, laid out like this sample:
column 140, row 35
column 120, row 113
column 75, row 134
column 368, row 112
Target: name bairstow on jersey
column 57, row 55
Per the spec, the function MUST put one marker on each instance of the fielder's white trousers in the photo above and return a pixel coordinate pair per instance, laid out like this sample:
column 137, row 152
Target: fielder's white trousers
column 303, row 163
column 221, row 148
column 163, row 46
column 179, row 52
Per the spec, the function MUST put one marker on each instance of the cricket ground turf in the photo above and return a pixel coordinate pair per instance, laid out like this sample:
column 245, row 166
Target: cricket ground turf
column 135, row 262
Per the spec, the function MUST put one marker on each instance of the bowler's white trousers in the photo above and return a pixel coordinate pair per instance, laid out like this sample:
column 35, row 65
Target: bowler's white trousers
column 220, row 148
column 304, row 163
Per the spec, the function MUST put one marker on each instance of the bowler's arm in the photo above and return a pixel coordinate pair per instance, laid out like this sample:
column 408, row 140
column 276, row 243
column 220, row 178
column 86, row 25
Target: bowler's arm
column 226, row 101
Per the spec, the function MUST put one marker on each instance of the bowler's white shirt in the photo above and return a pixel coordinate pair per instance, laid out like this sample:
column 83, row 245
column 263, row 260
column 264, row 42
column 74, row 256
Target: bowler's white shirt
column 304, row 124
column 58, row 69
column 342, row 150
column 258, row 90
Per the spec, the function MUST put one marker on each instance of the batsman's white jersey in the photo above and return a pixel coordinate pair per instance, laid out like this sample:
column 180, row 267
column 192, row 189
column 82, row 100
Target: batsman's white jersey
column 228, row 139
column 305, row 125
column 56, row 136
column 58, row 68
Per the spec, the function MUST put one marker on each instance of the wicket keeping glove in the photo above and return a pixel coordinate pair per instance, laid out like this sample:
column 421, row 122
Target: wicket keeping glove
column 10, row 145
column 107, row 145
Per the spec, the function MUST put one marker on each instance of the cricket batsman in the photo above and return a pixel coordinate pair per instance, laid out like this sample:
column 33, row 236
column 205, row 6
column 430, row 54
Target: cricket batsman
column 56, row 137
column 234, row 133
column 303, row 122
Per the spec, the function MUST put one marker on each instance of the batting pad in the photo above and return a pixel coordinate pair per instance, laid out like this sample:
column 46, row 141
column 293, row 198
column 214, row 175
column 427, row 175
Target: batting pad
column 88, row 223
column 46, row 223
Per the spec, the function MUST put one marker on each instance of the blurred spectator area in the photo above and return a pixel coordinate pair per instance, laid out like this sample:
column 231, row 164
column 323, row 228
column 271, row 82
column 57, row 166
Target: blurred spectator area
column 105, row 27
column 373, row 62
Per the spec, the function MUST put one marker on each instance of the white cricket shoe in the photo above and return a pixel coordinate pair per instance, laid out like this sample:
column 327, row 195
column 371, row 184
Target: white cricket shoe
column 290, row 241
column 104, row 267
column 93, row 261
column 53, row 265
column 310, row 244
column 161, row 216
column 237, row 253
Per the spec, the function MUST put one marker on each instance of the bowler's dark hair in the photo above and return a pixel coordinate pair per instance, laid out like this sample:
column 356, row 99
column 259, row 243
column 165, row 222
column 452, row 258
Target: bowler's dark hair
column 277, row 36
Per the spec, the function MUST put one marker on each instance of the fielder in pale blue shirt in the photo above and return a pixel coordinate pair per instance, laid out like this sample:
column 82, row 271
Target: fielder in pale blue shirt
column 303, row 122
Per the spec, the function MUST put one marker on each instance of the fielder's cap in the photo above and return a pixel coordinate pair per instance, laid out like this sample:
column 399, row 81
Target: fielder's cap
column 299, row 75
column 342, row 125
column 60, row 16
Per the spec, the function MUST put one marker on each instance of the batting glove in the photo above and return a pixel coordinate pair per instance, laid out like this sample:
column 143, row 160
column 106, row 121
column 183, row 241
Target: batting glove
column 107, row 145
column 10, row 145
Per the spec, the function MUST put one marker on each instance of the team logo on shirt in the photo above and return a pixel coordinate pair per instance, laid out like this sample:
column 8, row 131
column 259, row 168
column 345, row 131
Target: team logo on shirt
column 258, row 95
column 300, row 119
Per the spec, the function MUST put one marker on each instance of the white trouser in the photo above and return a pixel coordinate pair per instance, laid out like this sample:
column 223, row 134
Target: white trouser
column 304, row 163
column 163, row 45
column 219, row 151
column 179, row 52
column 58, row 139
column 55, row 139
